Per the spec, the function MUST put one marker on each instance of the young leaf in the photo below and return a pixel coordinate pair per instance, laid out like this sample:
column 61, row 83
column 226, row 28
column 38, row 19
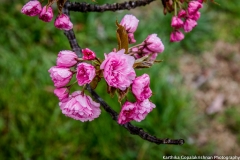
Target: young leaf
column 122, row 37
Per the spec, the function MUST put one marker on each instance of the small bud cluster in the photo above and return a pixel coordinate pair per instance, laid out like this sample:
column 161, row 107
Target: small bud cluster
column 185, row 19
column 34, row 8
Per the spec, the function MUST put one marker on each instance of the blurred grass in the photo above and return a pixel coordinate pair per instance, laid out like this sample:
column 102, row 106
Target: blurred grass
column 31, row 123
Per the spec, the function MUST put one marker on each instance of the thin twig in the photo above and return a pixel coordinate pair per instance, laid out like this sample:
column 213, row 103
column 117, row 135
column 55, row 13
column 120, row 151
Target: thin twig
column 87, row 7
column 132, row 129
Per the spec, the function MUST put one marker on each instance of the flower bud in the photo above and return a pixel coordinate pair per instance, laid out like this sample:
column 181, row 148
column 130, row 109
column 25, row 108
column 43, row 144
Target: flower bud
column 131, row 38
column 88, row 54
column 60, row 76
column 176, row 36
column 130, row 23
column 61, row 93
column 189, row 24
column 85, row 73
column 63, row 22
column 193, row 7
column 195, row 16
column 182, row 14
column 46, row 14
column 176, row 22
column 32, row 8
column 153, row 44
column 66, row 59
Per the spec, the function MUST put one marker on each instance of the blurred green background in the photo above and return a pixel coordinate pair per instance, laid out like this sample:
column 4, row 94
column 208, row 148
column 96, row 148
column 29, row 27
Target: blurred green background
column 31, row 123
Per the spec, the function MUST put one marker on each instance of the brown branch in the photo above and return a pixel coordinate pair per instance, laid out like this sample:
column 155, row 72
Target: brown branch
column 132, row 129
column 86, row 7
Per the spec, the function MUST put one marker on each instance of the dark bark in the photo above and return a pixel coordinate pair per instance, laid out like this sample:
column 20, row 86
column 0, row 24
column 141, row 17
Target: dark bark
column 86, row 7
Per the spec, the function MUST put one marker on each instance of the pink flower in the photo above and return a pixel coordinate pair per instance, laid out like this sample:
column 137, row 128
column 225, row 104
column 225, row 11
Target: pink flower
column 140, row 87
column 63, row 22
column 80, row 107
column 153, row 44
column 189, row 24
column 118, row 69
column 143, row 108
column 182, row 14
column 176, row 36
column 195, row 16
column 131, row 38
column 193, row 7
column 32, row 8
column 46, row 14
column 66, row 59
column 60, row 76
column 85, row 73
column 88, row 54
column 127, row 113
column 61, row 93
column 176, row 22
column 130, row 23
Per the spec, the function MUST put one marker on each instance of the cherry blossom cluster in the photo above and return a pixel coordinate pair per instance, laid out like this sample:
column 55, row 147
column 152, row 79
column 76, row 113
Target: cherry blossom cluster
column 34, row 8
column 77, row 105
column 117, row 69
column 185, row 19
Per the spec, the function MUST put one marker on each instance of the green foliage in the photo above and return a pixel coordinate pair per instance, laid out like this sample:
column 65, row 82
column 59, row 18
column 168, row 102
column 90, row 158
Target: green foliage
column 31, row 123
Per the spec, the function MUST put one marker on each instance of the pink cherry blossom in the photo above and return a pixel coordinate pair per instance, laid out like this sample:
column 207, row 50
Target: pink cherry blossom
column 46, row 14
column 127, row 113
column 193, row 7
column 195, row 16
column 189, row 24
column 143, row 108
column 32, row 8
column 130, row 23
column 60, row 76
column 85, row 73
column 140, row 87
column 182, row 14
column 61, row 93
column 63, row 22
column 80, row 107
column 176, row 36
column 88, row 54
column 66, row 58
column 118, row 69
column 131, row 38
column 176, row 22
column 153, row 44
